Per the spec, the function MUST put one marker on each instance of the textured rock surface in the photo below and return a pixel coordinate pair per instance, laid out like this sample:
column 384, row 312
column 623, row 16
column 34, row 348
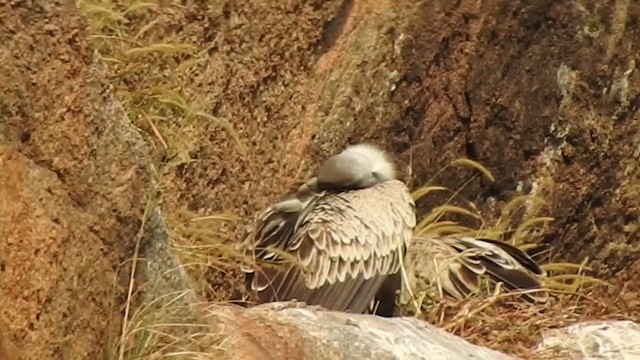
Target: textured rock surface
column 544, row 93
column 284, row 330
column 608, row 340
column 75, row 180
column 48, row 253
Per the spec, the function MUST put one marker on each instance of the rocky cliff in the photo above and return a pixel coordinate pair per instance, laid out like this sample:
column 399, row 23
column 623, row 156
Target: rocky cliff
column 111, row 111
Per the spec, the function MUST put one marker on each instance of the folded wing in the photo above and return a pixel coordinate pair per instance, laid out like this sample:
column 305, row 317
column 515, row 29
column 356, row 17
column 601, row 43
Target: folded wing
column 333, row 249
column 457, row 263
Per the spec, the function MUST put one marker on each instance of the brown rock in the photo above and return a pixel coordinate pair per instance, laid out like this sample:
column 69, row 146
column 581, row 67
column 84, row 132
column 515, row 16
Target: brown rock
column 545, row 94
column 592, row 340
column 75, row 190
column 49, row 253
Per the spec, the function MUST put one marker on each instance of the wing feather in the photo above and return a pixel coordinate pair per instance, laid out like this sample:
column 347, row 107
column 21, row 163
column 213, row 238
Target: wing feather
column 344, row 245
column 517, row 254
column 456, row 264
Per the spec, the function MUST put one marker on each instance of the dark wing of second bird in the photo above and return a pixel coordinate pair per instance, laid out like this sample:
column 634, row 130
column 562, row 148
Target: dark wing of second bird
column 335, row 250
column 456, row 264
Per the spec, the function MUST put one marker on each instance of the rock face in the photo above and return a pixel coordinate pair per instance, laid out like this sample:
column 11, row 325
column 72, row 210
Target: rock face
column 283, row 330
column 544, row 93
column 48, row 253
column 619, row 340
column 75, row 181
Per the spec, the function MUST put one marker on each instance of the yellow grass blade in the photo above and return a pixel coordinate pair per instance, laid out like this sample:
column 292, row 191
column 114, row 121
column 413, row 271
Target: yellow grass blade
column 425, row 190
column 475, row 165
column 577, row 279
column 565, row 267
column 189, row 63
column 141, row 6
column 99, row 10
column 219, row 217
column 436, row 212
column 171, row 98
column 491, row 233
column 161, row 48
column 227, row 125
column 439, row 229
column 527, row 247
column 146, row 28
column 512, row 207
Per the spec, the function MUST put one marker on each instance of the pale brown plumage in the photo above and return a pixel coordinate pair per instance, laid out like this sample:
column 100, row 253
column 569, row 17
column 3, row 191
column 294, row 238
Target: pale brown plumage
column 342, row 245
column 455, row 264
column 336, row 240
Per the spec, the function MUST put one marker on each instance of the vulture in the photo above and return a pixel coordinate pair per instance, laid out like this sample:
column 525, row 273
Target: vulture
column 456, row 264
column 339, row 241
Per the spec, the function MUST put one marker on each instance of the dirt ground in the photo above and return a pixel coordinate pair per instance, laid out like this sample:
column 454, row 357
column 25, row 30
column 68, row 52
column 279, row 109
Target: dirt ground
column 240, row 100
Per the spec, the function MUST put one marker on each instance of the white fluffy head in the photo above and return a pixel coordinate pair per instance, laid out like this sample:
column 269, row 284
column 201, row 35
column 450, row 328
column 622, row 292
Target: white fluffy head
column 377, row 159
column 358, row 166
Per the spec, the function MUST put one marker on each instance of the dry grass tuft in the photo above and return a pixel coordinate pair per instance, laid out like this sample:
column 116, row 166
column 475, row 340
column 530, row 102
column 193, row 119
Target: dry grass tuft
column 171, row 328
column 129, row 36
column 176, row 325
column 504, row 323
column 201, row 244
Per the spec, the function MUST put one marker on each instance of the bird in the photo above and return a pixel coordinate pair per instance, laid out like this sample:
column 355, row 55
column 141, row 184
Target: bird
column 457, row 263
column 338, row 241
